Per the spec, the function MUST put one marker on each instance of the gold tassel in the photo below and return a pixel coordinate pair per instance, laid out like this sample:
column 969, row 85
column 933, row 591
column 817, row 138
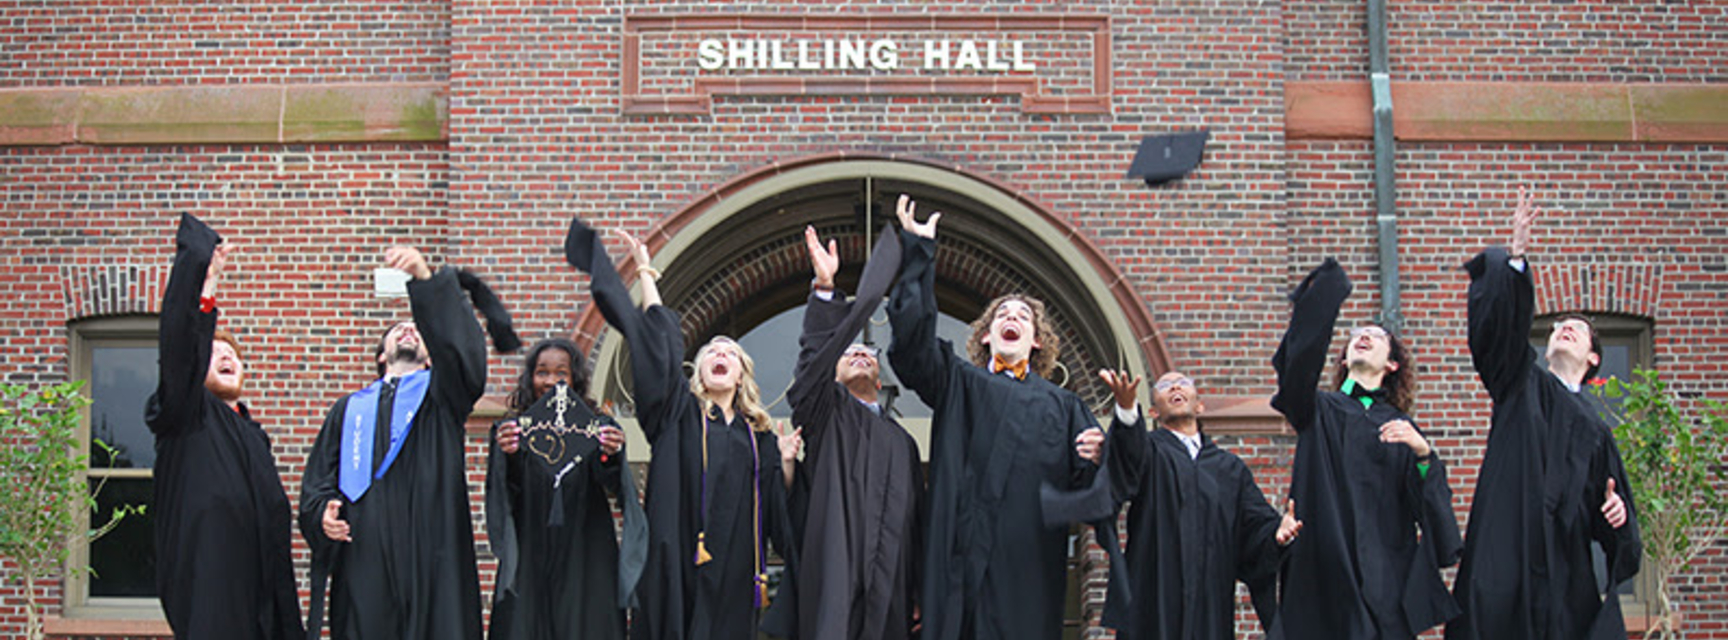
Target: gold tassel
column 762, row 591
column 702, row 555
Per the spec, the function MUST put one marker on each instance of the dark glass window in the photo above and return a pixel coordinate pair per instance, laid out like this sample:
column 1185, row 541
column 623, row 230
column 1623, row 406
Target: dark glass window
column 116, row 357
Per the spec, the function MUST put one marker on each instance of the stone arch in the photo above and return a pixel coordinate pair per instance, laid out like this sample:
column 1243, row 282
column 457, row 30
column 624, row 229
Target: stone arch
column 735, row 256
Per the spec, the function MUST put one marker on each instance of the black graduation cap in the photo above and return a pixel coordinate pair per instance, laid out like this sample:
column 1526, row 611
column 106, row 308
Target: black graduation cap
column 1167, row 157
column 487, row 303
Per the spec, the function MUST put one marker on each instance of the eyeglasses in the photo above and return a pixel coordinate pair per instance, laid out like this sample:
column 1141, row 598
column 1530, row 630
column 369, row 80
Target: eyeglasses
column 1370, row 331
column 860, row 349
column 1576, row 325
column 1165, row 385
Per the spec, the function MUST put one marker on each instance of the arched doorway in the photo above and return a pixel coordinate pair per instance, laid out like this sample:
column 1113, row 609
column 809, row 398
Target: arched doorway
column 735, row 260
column 735, row 264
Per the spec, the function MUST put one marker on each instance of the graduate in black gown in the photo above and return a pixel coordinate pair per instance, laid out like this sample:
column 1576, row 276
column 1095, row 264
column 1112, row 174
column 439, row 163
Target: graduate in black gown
column 1552, row 480
column 547, row 513
column 992, row 568
column 861, row 537
column 716, row 492
column 1369, row 489
column 221, row 517
column 1198, row 523
column 384, row 504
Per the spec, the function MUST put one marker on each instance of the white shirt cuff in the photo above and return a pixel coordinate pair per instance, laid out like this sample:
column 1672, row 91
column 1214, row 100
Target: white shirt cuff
column 827, row 295
column 1517, row 263
column 1128, row 416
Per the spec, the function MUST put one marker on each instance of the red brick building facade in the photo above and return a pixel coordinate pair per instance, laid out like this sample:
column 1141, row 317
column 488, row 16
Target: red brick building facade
column 315, row 134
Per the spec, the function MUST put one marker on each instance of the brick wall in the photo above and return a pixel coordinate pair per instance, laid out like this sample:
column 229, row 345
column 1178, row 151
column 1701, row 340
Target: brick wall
column 535, row 135
column 1589, row 41
column 175, row 42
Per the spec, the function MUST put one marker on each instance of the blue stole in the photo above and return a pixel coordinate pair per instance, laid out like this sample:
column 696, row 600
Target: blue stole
column 357, row 430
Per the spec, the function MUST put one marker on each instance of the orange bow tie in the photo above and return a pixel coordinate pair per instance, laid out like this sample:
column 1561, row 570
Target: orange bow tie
column 1017, row 369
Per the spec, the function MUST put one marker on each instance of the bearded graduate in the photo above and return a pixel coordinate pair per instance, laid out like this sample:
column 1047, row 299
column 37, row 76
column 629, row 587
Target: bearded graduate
column 717, row 482
column 1552, row 479
column 221, row 517
column 384, row 499
column 547, row 512
column 862, row 535
column 1370, row 490
column 992, row 567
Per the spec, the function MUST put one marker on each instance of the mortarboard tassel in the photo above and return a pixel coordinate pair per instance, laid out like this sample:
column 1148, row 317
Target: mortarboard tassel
column 702, row 555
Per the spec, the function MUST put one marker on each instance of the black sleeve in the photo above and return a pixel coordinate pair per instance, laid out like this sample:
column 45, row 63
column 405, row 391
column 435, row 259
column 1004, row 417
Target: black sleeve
column 1081, row 472
column 657, row 359
column 780, row 618
column 1502, row 303
column 1258, row 554
column 1301, row 356
column 318, row 483
column 1624, row 546
column 1128, row 456
column 453, row 337
column 815, row 396
column 503, row 491
column 1430, row 498
column 920, row 360
column 184, row 333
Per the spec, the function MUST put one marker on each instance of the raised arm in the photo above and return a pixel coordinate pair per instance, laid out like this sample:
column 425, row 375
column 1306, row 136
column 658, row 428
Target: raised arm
column 829, row 324
column 1502, row 304
column 446, row 321
column 1301, row 355
column 1128, row 453
column 656, row 342
column 920, row 360
column 186, row 329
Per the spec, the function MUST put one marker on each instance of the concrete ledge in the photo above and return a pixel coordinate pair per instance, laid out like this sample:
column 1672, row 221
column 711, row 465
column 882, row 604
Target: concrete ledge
column 1243, row 415
column 335, row 113
column 242, row 114
column 179, row 115
column 82, row 627
column 1680, row 113
column 1513, row 112
column 1423, row 111
column 37, row 116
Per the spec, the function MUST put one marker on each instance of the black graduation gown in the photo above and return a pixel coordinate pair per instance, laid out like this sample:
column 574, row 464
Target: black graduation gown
column 681, row 600
column 410, row 571
column 222, row 520
column 1197, row 525
column 1527, row 570
column 559, row 574
column 1358, row 570
column 861, row 536
column 989, row 557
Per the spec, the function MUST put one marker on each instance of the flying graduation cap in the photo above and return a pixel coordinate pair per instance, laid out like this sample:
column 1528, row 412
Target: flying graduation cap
column 1164, row 158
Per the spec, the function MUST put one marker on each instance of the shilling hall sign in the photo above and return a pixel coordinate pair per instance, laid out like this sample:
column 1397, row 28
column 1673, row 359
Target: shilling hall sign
column 1055, row 63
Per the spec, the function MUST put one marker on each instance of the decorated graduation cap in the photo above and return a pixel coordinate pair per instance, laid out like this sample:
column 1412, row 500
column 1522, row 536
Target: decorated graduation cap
column 1164, row 158
column 560, row 431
